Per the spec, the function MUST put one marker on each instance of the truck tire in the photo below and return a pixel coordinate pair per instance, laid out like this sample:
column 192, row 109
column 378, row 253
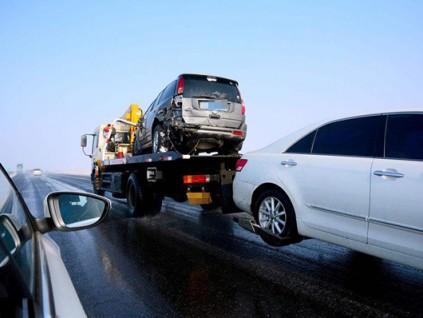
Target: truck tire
column 141, row 202
column 96, row 184
column 98, row 191
column 154, row 204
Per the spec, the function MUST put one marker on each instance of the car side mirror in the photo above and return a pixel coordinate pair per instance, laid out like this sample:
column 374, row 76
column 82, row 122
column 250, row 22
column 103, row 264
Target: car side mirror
column 71, row 211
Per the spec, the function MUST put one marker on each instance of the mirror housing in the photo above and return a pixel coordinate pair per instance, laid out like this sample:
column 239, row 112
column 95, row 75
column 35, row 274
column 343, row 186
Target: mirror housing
column 83, row 141
column 72, row 211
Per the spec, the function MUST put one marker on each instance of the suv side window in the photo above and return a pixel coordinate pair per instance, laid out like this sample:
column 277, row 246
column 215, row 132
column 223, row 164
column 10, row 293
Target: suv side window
column 151, row 107
column 404, row 137
column 351, row 137
column 156, row 101
column 168, row 92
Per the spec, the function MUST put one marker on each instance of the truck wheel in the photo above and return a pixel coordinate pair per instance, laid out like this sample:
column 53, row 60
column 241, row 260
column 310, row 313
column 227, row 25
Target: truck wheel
column 273, row 211
column 98, row 191
column 140, row 201
column 96, row 184
column 134, row 197
column 159, row 142
column 154, row 204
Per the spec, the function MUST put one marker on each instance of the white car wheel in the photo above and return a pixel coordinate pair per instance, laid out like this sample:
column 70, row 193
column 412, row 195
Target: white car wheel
column 274, row 213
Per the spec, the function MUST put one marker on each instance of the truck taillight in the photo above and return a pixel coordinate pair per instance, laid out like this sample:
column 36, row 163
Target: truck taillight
column 240, row 164
column 180, row 86
column 202, row 178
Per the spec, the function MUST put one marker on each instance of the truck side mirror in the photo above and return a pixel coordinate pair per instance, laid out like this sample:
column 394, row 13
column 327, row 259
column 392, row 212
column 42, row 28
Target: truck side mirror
column 84, row 144
column 83, row 141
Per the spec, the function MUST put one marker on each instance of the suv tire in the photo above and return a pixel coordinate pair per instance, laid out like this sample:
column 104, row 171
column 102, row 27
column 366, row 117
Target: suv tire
column 159, row 140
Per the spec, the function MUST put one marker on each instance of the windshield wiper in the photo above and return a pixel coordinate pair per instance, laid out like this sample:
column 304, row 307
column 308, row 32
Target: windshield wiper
column 204, row 96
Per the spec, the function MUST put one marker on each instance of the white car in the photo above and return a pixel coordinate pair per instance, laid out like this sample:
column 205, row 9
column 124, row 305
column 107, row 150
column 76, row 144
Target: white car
column 356, row 182
column 37, row 172
column 34, row 281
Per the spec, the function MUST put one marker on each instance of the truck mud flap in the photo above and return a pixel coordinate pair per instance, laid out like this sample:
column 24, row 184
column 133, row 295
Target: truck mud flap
column 251, row 225
column 227, row 202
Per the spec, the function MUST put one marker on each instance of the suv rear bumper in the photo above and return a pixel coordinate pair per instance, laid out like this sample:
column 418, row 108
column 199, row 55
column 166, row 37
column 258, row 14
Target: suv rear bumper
column 218, row 133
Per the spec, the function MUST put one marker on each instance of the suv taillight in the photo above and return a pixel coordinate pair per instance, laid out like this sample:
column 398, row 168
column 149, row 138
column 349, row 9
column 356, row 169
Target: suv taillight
column 240, row 164
column 242, row 102
column 180, row 86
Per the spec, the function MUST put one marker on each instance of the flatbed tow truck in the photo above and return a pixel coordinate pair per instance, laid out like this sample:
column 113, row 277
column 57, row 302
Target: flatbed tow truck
column 145, row 180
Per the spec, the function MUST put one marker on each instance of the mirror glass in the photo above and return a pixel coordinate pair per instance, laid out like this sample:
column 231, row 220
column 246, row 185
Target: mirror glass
column 83, row 141
column 78, row 210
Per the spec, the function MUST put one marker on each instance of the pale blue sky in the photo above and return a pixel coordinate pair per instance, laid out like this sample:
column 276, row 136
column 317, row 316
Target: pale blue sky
column 67, row 66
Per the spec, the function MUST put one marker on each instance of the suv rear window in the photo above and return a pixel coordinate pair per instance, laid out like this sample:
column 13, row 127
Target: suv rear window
column 202, row 87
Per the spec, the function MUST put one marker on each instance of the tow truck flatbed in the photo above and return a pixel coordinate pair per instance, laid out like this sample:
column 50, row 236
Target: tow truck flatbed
column 146, row 179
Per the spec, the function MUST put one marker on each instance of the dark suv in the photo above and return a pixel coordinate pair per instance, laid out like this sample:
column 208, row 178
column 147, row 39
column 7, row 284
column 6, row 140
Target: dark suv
column 194, row 113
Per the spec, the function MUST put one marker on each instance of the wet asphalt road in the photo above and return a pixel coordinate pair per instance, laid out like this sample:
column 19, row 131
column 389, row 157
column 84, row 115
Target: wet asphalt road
column 185, row 262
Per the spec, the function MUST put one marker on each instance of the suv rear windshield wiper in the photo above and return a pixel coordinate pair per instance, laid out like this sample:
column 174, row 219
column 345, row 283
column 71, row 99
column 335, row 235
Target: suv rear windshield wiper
column 203, row 96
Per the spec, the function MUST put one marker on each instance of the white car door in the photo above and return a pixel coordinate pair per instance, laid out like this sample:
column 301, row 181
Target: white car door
column 336, row 194
column 332, row 182
column 396, row 211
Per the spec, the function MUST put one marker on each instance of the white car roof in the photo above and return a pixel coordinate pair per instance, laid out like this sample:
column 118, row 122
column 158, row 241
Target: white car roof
column 284, row 143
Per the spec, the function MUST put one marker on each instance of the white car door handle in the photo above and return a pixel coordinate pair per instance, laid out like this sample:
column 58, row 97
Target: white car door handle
column 288, row 163
column 392, row 174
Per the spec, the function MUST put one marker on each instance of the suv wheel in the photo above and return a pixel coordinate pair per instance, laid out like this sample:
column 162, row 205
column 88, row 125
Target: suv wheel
column 136, row 145
column 160, row 143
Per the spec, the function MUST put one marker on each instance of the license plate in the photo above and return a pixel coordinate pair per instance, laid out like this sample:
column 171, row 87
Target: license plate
column 214, row 106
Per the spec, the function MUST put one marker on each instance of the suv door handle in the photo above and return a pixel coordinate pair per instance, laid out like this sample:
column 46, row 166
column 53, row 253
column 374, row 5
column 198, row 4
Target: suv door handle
column 289, row 162
column 392, row 174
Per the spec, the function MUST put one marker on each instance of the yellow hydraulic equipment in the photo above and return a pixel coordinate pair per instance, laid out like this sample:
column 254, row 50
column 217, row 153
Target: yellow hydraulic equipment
column 132, row 114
